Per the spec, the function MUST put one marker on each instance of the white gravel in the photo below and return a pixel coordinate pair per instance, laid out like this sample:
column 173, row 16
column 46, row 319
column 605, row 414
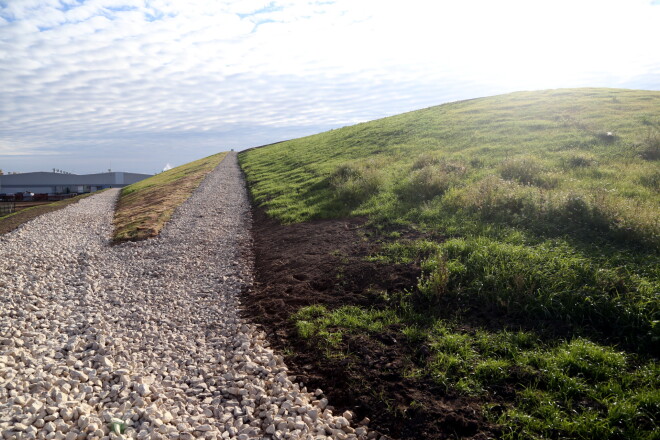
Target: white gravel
column 144, row 338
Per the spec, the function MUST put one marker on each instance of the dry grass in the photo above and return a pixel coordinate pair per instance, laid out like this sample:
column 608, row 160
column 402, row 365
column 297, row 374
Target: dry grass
column 144, row 207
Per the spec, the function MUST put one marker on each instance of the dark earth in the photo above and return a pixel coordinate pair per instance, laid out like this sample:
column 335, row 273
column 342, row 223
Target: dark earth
column 323, row 262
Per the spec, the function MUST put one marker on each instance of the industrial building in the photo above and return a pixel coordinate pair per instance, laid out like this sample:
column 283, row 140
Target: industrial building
column 65, row 183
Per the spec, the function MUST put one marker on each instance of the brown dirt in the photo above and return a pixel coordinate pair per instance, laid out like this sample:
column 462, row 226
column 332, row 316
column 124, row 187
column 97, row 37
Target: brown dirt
column 10, row 222
column 322, row 262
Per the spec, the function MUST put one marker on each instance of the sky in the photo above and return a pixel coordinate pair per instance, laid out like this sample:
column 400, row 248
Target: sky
column 135, row 85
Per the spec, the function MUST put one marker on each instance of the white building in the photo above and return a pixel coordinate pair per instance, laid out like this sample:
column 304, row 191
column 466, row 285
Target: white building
column 60, row 183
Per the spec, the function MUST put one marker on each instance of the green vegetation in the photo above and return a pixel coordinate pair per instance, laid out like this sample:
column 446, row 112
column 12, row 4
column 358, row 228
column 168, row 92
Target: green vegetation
column 144, row 207
column 549, row 203
column 317, row 321
column 566, row 389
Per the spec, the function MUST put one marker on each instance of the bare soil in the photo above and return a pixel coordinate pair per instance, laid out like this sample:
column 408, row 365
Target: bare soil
column 322, row 262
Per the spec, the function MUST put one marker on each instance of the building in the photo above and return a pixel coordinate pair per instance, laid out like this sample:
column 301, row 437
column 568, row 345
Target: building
column 64, row 183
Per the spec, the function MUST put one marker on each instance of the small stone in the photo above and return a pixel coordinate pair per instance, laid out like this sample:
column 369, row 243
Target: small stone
column 20, row 427
column 143, row 389
column 105, row 362
column 82, row 377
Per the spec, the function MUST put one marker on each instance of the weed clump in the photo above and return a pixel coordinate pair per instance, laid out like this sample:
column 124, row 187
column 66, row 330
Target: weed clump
column 429, row 177
column 354, row 183
column 526, row 171
column 543, row 282
column 603, row 212
column 424, row 184
column 425, row 160
column 496, row 199
column 650, row 146
column 559, row 212
column 651, row 180
column 578, row 161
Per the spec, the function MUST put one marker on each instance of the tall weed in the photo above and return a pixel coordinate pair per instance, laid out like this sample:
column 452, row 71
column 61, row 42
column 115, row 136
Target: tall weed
column 651, row 180
column 578, row 161
column 354, row 183
column 548, row 281
column 649, row 149
column 558, row 212
column 527, row 171
column 429, row 177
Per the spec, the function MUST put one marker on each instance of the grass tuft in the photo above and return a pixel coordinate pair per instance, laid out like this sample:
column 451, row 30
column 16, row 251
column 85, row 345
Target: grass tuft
column 355, row 183
column 650, row 147
column 526, row 171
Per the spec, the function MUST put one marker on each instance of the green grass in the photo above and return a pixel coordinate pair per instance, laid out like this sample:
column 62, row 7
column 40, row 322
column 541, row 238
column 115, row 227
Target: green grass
column 564, row 389
column 327, row 326
column 550, row 205
column 144, row 207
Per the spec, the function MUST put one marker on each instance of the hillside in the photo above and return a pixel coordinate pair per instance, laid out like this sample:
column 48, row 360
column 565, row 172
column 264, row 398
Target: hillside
column 499, row 253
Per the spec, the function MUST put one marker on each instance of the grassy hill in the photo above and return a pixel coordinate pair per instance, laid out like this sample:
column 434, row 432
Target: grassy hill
column 144, row 207
column 539, row 207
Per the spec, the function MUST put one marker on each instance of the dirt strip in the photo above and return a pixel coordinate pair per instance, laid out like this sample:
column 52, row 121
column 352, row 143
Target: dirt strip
column 322, row 262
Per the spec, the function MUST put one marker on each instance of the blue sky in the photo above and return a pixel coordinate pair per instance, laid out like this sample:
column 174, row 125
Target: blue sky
column 132, row 85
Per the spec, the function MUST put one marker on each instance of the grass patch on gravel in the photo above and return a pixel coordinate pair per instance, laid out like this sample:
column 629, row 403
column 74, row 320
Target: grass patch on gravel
column 12, row 221
column 533, row 206
column 144, row 207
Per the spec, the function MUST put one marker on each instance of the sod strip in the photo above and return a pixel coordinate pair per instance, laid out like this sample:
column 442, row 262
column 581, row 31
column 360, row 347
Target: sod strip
column 144, row 207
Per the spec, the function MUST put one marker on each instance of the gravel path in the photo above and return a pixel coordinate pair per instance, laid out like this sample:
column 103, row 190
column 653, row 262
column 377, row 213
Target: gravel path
column 144, row 338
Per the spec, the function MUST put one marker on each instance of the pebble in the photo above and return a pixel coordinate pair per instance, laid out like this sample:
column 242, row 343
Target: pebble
column 145, row 338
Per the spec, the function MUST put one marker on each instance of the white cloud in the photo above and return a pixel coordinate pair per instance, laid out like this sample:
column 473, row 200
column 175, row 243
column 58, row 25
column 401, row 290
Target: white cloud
column 9, row 148
column 106, row 73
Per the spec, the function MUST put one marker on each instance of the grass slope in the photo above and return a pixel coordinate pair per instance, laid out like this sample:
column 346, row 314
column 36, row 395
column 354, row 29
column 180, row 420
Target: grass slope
column 548, row 205
column 144, row 207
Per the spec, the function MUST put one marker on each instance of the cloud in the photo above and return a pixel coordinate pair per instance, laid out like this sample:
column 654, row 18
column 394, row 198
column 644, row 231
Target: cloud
column 9, row 148
column 99, row 78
